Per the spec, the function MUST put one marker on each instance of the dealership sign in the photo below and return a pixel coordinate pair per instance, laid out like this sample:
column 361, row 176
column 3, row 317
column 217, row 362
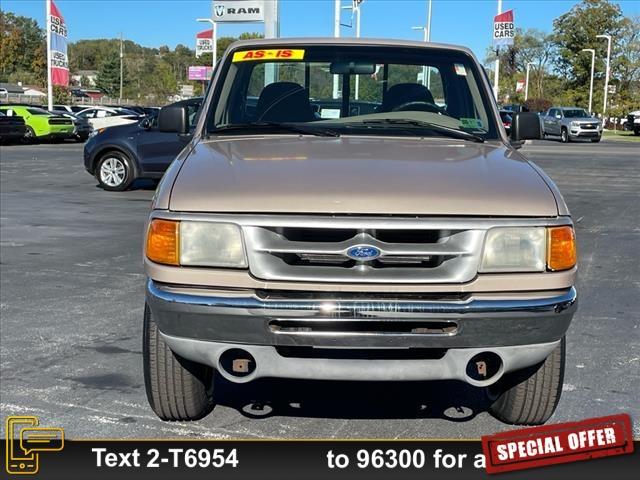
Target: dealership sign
column 200, row 73
column 238, row 11
column 504, row 30
column 204, row 42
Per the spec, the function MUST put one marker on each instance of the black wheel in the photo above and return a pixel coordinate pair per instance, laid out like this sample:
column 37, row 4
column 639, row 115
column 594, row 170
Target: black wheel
column 30, row 135
column 114, row 171
column 177, row 389
column 595, row 140
column 530, row 396
column 564, row 136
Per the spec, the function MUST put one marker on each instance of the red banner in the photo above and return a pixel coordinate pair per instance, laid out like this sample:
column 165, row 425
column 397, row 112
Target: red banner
column 59, row 62
column 560, row 443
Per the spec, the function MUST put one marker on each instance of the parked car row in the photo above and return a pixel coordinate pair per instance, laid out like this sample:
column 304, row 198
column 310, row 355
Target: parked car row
column 40, row 124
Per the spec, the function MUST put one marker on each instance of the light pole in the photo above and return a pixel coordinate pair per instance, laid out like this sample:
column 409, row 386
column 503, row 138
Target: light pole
column 496, row 73
column 426, row 72
column 424, row 39
column 526, row 82
column 355, row 9
column 593, row 61
column 336, row 34
column 121, row 67
column 606, row 78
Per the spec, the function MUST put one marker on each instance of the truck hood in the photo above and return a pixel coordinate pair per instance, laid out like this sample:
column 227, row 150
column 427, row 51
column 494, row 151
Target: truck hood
column 359, row 175
column 584, row 119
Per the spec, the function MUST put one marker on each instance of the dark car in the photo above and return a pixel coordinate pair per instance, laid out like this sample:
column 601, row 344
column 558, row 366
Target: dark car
column 118, row 155
column 81, row 126
column 11, row 128
column 506, row 116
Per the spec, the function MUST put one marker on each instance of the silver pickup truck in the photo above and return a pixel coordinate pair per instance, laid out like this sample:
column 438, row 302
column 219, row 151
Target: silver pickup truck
column 570, row 123
column 338, row 215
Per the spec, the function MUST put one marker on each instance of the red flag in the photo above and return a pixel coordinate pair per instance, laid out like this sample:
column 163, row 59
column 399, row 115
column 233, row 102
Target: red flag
column 58, row 60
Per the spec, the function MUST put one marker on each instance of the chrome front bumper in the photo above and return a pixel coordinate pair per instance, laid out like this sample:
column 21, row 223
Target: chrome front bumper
column 201, row 326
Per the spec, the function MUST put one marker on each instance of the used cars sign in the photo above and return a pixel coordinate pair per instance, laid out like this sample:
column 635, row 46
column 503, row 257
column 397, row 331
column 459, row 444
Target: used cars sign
column 238, row 11
column 504, row 29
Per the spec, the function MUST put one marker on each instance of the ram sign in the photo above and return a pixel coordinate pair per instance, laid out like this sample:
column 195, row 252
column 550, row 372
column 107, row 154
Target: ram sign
column 238, row 11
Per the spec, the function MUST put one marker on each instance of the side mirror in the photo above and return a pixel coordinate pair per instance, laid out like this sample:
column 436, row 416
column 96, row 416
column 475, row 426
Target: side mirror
column 558, row 116
column 525, row 126
column 173, row 119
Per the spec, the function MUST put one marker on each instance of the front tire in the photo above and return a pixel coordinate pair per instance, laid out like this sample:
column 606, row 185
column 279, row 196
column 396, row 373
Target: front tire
column 564, row 136
column 114, row 171
column 177, row 389
column 530, row 396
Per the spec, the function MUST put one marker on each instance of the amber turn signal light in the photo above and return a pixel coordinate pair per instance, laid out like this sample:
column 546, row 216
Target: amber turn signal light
column 561, row 248
column 163, row 242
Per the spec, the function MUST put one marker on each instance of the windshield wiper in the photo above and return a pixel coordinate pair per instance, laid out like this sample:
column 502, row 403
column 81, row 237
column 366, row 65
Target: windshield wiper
column 275, row 126
column 446, row 131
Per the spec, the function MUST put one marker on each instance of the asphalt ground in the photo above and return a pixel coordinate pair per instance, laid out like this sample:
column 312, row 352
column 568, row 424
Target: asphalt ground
column 72, row 293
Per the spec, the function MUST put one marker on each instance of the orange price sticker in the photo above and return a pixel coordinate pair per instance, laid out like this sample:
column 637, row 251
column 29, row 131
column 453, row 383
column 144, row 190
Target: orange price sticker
column 270, row 54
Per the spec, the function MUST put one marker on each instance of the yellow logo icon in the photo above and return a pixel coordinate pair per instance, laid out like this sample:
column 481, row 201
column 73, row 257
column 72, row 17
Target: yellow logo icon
column 25, row 440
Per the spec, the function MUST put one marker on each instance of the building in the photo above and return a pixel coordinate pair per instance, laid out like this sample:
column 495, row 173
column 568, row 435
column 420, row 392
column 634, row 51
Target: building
column 87, row 76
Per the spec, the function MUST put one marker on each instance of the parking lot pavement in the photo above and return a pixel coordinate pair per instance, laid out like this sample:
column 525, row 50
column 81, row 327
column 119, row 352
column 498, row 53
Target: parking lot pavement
column 72, row 292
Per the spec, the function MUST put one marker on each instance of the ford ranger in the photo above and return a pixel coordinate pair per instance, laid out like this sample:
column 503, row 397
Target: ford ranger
column 338, row 215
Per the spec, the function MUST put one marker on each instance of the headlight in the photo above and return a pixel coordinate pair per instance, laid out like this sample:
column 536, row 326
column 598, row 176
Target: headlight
column 96, row 132
column 203, row 244
column 575, row 124
column 514, row 249
column 211, row 244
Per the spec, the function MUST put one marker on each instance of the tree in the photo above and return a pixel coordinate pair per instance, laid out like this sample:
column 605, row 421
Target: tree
column 23, row 49
column 529, row 46
column 108, row 78
column 577, row 29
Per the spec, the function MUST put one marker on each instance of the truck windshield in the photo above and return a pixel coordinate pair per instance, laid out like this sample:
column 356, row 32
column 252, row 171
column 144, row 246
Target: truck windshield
column 369, row 90
column 575, row 113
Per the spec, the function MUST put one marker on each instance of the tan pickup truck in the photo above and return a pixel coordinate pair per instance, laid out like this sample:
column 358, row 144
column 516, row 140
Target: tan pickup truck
column 353, row 210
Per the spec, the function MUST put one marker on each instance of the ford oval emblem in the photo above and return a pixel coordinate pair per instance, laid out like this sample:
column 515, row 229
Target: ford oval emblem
column 363, row 253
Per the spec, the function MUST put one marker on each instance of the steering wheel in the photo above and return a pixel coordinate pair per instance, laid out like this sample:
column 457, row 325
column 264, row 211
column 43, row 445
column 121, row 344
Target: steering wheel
column 419, row 105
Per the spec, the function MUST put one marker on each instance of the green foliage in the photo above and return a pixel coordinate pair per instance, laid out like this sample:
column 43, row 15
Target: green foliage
column 538, row 104
column 23, row 52
column 61, row 95
column 108, row 79
column 577, row 29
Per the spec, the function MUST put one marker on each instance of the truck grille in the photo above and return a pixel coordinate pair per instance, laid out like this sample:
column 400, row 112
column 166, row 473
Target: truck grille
column 418, row 254
column 589, row 126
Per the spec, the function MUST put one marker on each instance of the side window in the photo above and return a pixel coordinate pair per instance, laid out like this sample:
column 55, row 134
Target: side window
column 101, row 114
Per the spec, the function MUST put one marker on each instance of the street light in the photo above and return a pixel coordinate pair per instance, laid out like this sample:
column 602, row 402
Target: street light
column 355, row 9
column 526, row 82
column 336, row 34
column 593, row 61
column 214, row 35
column 424, row 39
column 426, row 73
column 606, row 78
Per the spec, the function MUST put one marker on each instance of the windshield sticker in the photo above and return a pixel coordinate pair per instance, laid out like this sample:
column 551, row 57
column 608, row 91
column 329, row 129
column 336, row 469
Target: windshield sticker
column 256, row 55
column 460, row 70
column 471, row 123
